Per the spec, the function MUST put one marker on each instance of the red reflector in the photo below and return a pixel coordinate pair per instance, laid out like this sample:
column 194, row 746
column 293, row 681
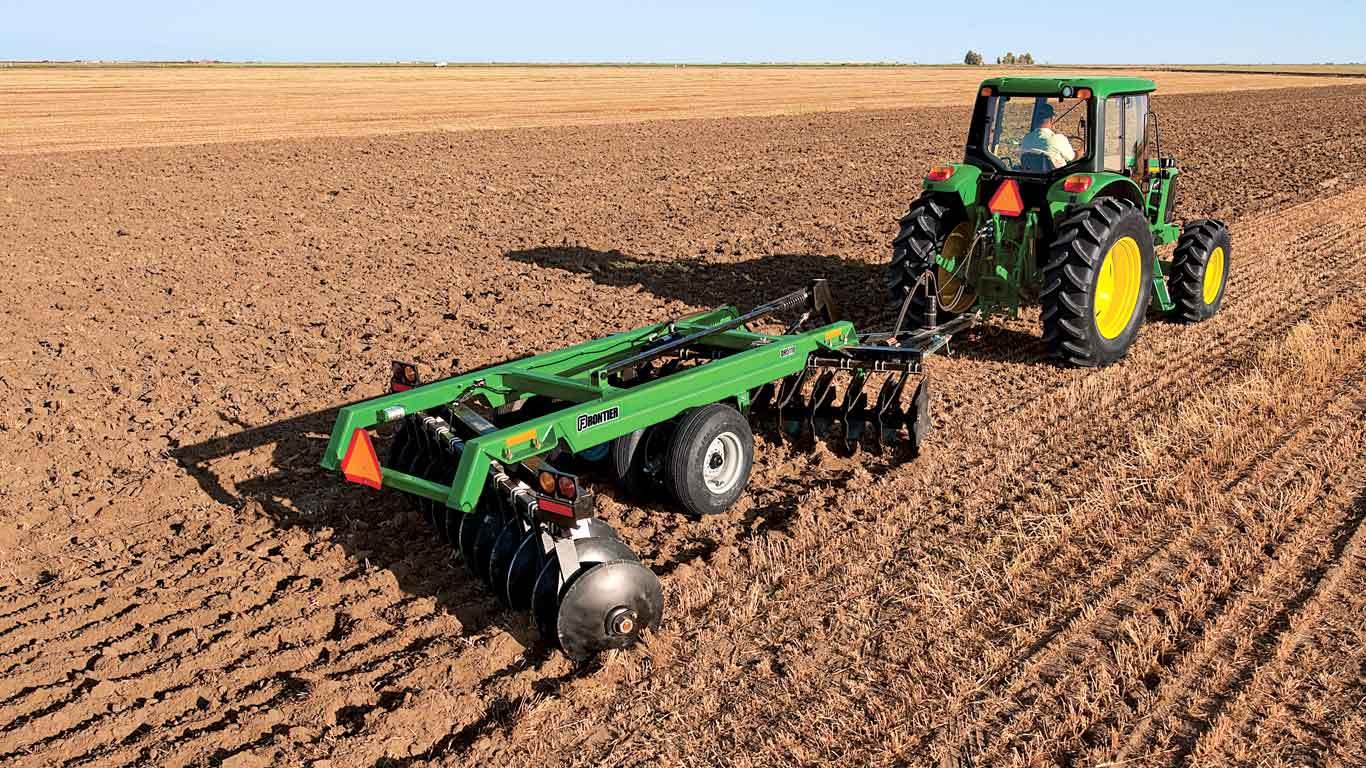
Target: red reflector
column 1007, row 200
column 360, row 464
column 567, row 488
column 986, row 91
column 940, row 173
column 404, row 377
column 556, row 508
column 1075, row 184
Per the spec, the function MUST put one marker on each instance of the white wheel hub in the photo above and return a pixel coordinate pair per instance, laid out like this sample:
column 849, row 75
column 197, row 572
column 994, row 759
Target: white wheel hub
column 722, row 463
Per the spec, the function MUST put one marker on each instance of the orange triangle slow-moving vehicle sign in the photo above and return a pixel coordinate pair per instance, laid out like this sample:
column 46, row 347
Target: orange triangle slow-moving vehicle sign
column 360, row 464
column 1007, row 200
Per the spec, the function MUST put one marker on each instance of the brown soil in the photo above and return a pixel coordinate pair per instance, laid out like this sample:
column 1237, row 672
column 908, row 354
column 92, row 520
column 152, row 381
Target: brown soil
column 1158, row 562
column 85, row 107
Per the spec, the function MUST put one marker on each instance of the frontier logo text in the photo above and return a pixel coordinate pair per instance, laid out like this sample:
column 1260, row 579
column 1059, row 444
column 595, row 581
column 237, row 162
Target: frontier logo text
column 601, row 417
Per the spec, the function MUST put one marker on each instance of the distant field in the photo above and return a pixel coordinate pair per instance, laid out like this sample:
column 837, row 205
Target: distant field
column 55, row 108
column 1290, row 69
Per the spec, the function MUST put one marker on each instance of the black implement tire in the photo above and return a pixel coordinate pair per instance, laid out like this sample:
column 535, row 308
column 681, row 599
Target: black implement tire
column 1202, row 254
column 1084, row 323
column 639, row 460
column 710, row 457
column 922, row 233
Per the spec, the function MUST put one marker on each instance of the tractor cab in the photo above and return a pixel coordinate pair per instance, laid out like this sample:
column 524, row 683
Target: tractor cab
column 1043, row 127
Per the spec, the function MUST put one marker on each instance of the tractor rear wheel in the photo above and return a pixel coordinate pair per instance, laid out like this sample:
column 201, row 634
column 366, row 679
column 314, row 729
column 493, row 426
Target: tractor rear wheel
column 1200, row 270
column 934, row 225
column 1096, row 282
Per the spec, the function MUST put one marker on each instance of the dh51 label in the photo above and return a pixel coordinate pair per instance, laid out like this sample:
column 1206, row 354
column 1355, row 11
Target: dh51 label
column 601, row 417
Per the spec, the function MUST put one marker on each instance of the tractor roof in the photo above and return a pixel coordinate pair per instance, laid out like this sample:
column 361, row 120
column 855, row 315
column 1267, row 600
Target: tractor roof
column 1100, row 86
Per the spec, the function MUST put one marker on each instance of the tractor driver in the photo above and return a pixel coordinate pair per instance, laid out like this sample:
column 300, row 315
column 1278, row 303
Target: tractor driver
column 1043, row 142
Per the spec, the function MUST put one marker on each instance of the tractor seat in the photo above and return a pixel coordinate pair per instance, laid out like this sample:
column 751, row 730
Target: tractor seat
column 1035, row 162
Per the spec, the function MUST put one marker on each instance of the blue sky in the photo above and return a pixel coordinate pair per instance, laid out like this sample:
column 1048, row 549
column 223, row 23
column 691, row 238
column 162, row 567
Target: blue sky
column 1164, row 31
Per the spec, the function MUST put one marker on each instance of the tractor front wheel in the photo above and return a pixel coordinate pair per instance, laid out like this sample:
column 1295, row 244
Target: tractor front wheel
column 1096, row 282
column 1200, row 270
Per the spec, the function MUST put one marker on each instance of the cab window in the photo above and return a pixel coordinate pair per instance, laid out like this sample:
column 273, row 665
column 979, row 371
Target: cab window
column 1035, row 134
column 1125, row 122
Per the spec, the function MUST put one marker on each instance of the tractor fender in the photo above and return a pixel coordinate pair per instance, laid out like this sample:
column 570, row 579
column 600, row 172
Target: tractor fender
column 1104, row 184
column 962, row 182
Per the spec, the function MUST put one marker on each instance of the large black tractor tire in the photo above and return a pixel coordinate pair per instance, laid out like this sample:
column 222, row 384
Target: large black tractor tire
column 923, row 230
column 1199, row 270
column 1096, row 282
column 710, row 458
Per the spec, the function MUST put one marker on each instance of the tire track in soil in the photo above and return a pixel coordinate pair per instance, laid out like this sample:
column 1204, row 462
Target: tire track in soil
column 1052, row 680
column 1268, row 321
column 1332, row 606
column 1121, row 587
column 1187, row 712
column 1113, row 585
column 1119, row 574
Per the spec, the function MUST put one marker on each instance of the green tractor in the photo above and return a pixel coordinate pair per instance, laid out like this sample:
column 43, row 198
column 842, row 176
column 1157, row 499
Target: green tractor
column 1062, row 197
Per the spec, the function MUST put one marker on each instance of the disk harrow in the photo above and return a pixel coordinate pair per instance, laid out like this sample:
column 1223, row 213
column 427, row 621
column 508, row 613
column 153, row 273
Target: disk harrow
column 494, row 459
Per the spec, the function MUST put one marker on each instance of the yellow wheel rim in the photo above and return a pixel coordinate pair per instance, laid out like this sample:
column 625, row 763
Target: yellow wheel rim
column 1117, row 287
column 1214, row 275
column 954, row 295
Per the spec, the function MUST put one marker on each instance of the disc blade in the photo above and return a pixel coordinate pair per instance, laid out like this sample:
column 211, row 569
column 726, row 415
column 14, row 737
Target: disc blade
column 884, row 399
column 791, row 390
column 545, row 595
column 500, row 559
column 854, row 411
column 398, row 446
column 597, row 528
column 918, row 422
column 483, row 547
column 763, row 399
column 608, row 606
column 545, row 601
column 404, row 448
column 891, row 416
column 469, row 532
column 821, row 397
column 526, row 565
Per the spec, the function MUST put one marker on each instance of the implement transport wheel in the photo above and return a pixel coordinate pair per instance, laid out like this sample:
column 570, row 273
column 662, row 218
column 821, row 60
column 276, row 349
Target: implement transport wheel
column 710, row 458
column 1096, row 282
column 638, row 460
column 1200, row 270
column 934, row 226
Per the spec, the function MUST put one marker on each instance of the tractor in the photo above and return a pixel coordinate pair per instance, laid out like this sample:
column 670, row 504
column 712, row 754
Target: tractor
column 1061, row 200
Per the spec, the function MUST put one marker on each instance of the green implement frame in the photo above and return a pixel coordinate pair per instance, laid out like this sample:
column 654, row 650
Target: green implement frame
column 601, row 398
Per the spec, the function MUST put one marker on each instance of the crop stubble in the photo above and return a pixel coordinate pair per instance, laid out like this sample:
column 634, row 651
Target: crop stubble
column 1158, row 562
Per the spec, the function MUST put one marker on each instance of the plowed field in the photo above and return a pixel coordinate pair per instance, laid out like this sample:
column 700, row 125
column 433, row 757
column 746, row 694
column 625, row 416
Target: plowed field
column 51, row 108
column 1156, row 563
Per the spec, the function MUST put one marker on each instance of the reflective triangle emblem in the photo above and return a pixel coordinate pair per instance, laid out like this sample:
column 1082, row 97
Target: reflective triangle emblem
column 361, row 465
column 1007, row 200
